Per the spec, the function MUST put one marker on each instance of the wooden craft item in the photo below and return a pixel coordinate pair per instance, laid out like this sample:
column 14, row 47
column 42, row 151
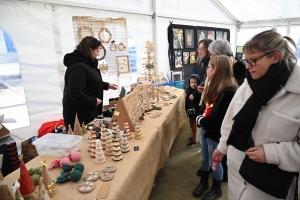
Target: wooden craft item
column 103, row 68
column 5, row 191
column 104, row 30
column 106, row 176
column 104, row 189
column 92, row 176
column 110, row 168
column 86, row 187
column 123, row 115
column 80, row 30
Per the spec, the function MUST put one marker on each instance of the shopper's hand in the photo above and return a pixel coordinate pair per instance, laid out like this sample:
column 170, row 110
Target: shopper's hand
column 191, row 97
column 218, row 153
column 257, row 154
column 99, row 101
column 200, row 88
column 113, row 86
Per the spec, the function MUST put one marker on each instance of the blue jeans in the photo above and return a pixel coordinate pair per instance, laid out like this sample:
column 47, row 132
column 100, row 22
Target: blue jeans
column 207, row 148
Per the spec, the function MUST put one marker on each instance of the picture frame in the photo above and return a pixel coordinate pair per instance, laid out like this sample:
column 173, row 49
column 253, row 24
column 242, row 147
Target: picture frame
column 177, row 76
column 193, row 56
column 189, row 38
column 211, row 35
column 123, row 64
column 201, row 35
column 219, row 35
column 225, row 35
column 186, row 58
column 178, row 38
column 178, row 58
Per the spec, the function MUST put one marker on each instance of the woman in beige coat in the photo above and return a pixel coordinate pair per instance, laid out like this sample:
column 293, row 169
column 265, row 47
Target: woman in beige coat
column 263, row 119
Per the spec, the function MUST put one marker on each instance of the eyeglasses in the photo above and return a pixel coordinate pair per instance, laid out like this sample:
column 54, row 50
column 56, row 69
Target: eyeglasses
column 252, row 62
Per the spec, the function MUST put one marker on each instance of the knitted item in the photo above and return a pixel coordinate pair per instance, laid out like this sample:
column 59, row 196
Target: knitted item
column 75, row 156
column 64, row 160
column 55, row 163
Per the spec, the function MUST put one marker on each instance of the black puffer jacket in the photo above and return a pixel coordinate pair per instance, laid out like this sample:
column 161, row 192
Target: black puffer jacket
column 212, row 124
column 189, row 104
column 83, row 84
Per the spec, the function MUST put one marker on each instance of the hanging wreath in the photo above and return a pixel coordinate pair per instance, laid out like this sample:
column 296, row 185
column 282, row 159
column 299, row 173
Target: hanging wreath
column 113, row 47
column 104, row 50
column 104, row 29
column 121, row 46
column 82, row 28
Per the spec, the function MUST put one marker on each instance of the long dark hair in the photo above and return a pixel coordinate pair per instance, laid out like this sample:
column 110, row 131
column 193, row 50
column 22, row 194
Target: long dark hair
column 86, row 44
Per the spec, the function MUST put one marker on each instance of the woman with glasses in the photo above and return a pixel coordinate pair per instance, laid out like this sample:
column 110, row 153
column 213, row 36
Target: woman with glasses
column 222, row 47
column 261, row 129
column 217, row 95
column 202, row 60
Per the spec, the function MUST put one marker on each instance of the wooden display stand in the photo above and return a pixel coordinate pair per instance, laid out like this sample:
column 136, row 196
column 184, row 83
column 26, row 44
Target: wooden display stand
column 123, row 116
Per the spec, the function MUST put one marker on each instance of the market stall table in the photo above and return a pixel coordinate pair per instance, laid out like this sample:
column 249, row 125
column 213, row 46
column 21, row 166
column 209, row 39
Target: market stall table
column 136, row 171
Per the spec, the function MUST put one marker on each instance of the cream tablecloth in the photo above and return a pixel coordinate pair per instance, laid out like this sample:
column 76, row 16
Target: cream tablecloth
column 136, row 172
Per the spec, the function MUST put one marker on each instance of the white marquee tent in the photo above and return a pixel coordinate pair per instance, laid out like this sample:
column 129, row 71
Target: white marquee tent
column 42, row 32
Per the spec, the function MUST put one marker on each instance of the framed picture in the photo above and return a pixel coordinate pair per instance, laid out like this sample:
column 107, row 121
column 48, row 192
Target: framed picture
column 178, row 58
column 239, row 49
column 219, row 35
column 177, row 76
column 189, row 38
column 186, row 57
column 201, row 34
column 177, row 38
column 239, row 52
column 192, row 57
column 123, row 63
column 224, row 35
column 211, row 35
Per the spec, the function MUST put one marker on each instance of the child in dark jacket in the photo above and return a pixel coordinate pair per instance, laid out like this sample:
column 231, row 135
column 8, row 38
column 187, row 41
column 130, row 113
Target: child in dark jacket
column 192, row 100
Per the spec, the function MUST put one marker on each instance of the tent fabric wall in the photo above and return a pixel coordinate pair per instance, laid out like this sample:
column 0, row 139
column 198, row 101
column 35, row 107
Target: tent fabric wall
column 43, row 33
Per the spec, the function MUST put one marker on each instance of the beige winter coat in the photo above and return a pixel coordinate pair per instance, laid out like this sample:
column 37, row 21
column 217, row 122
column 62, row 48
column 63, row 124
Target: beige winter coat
column 276, row 128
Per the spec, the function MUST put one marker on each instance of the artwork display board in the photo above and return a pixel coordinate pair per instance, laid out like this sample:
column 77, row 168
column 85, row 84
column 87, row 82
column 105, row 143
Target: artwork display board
column 183, row 43
column 113, row 33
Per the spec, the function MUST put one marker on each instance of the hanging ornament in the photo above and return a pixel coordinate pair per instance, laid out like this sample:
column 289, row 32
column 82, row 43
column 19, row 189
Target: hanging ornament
column 104, row 30
column 113, row 47
column 103, row 68
column 80, row 29
column 121, row 46
column 104, row 50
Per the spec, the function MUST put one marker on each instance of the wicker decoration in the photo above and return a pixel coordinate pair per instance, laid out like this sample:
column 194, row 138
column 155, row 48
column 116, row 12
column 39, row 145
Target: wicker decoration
column 113, row 47
column 84, row 27
column 104, row 53
column 104, row 29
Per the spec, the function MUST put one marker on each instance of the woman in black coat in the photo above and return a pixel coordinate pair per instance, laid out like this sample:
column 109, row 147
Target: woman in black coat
column 83, row 91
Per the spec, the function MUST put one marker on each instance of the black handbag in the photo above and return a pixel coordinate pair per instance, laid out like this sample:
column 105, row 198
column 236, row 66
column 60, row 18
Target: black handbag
column 268, row 178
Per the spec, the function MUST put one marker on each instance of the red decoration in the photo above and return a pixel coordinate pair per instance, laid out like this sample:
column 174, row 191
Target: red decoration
column 54, row 164
column 26, row 184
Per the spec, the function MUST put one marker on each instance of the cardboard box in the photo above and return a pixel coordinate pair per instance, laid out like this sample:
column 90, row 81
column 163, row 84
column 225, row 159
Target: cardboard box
column 4, row 132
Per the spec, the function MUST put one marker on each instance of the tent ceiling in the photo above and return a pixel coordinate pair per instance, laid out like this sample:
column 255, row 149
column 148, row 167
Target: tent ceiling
column 254, row 10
